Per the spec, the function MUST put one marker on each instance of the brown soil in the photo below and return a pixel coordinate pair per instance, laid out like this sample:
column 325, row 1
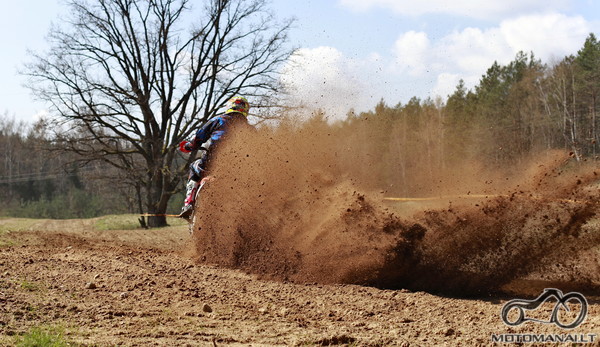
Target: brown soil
column 147, row 290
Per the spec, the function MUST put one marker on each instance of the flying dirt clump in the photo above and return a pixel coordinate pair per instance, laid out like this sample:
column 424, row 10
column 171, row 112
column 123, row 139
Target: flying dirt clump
column 286, row 204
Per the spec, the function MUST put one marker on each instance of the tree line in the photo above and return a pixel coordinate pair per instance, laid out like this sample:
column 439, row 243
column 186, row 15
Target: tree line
column 35, row 182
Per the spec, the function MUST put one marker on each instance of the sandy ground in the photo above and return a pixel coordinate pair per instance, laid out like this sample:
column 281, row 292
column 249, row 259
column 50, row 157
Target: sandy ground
column 143, row 288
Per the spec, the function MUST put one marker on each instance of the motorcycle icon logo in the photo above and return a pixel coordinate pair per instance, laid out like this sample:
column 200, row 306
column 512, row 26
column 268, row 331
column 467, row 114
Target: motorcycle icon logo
column 575, row 299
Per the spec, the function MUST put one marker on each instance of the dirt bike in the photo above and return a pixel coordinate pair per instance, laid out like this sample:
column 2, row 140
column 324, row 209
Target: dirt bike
column 562, row 300
column 193, row 217
column 203, row 152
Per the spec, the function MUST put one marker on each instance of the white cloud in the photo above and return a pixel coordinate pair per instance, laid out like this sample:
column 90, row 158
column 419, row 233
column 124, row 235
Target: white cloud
column 545, row 35
column 410, row 50
column 482, row 9
column 446, row 84
column 470, row 52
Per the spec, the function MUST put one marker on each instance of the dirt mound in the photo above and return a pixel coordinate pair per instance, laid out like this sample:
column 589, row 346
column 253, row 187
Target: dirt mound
column 290, row 204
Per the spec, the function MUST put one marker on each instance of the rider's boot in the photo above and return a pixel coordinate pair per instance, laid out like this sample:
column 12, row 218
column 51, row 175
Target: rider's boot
column 188, row 204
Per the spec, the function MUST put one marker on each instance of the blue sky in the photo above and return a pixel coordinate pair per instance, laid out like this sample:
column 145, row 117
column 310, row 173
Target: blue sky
column 355, row 52
column 23, row 26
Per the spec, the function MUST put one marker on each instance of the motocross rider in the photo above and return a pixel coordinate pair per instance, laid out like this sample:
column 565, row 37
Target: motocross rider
column 210, row 135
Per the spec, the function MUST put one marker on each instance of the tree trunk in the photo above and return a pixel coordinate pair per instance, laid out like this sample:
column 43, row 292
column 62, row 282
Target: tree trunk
column 156, row 194
column 157, row 221
column 142, row 219
column 593, row 137
column 157, row 210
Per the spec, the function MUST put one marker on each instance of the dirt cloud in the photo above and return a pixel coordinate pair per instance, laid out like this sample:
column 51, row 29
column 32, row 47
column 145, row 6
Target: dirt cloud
column 298, row 204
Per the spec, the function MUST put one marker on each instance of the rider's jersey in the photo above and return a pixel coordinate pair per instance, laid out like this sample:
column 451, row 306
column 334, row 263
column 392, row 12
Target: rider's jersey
column 212, row 133
column 215, row 129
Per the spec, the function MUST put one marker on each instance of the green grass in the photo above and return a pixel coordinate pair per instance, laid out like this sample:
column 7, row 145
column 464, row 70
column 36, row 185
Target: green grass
column 16, row 224
column 29, row 286
column 4, row 242
column 128, row 222
column 176, row 222
column 43, row 337
column 117, row 222
column 108, row 222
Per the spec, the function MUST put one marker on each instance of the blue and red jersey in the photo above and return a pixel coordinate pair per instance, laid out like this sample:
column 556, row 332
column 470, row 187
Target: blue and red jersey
column 214, row 130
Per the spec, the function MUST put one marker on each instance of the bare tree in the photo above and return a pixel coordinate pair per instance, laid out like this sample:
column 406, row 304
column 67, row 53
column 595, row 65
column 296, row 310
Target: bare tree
column 559, row 98
column 129, row 79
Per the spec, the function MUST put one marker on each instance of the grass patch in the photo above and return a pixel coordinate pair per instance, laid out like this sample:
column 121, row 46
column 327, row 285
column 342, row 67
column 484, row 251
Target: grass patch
column 29, row 286
column 176, row 222
column 43, row 337
column 117, row 222
column 128, row 222
column 16, row 224
column 5, row 242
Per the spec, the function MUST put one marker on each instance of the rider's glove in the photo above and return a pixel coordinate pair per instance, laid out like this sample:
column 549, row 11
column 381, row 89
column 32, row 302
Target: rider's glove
column 185, row 147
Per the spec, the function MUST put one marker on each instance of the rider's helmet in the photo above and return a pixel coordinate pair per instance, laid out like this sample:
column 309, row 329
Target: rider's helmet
column 238, row 104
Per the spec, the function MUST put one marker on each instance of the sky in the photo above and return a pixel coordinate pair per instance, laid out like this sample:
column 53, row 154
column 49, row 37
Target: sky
column 353, row 53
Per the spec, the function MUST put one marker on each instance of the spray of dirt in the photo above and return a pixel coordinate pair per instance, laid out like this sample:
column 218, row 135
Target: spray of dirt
column 296, row 204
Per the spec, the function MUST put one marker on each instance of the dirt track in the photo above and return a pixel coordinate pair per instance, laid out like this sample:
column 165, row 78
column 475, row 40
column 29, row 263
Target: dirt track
column 147, row 290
